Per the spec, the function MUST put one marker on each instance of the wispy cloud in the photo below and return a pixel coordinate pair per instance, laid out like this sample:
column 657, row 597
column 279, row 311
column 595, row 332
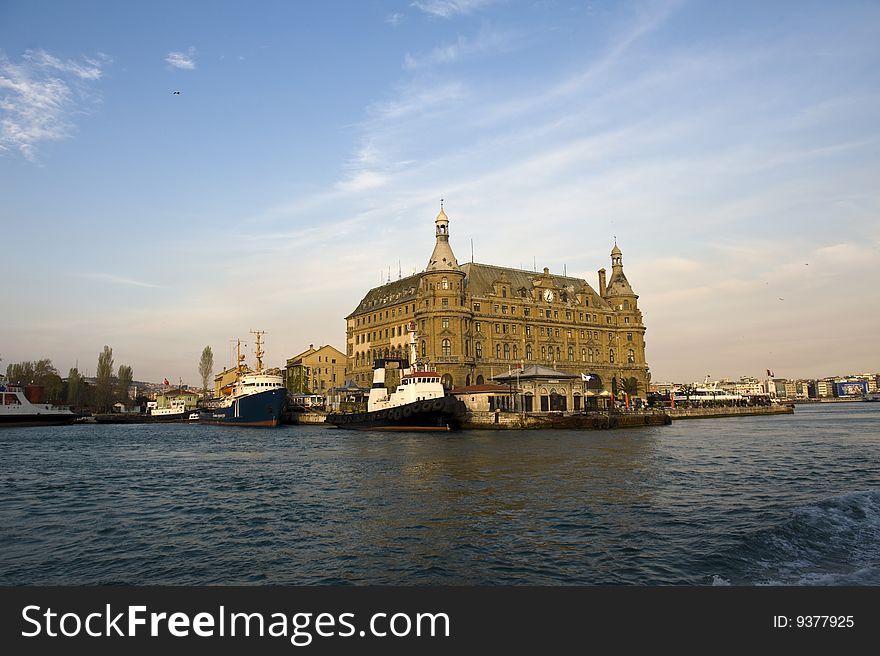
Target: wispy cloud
column 447, row 8
column 185, row 61
column 117, row 280
column 38, row 96
column 394, row 19
column 362, row 181
column 486, row 41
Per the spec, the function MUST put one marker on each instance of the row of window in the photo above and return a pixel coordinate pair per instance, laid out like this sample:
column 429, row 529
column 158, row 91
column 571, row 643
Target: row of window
column 502, row 352
column 376, row 317
column 569, row 315
column 500, row 329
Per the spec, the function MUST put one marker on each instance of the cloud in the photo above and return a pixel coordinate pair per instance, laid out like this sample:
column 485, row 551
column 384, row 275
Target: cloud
column 38, row 96
column 394, row 19
column 117, row 280
column 362, row 181
column 448, row 8
column 181, row 60
column 485, row 42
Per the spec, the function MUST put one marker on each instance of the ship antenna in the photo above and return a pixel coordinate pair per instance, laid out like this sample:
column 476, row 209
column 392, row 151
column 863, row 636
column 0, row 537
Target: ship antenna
column 259, row 353
column 238, row 356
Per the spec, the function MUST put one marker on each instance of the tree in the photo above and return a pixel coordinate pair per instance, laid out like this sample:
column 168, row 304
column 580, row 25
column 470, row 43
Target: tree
column 104, row 379
column 123, row 382
column 206, row 367
column 630, row 386
column 75, row 388
column 20, row 374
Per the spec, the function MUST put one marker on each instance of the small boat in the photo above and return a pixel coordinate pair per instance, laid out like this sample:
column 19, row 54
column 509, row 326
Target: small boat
column 176, row 411
column 420, row 402
column 255, row 399
column 24, row 407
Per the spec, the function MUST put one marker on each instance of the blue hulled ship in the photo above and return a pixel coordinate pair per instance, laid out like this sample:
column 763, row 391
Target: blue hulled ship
column 254, row 399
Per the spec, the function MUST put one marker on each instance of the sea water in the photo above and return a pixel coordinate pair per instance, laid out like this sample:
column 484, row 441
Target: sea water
column 788, row 499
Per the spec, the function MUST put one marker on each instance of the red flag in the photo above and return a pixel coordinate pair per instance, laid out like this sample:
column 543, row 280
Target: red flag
column 166, row 381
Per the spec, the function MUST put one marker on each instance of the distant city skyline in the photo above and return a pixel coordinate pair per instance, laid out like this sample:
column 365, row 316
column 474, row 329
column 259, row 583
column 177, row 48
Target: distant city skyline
column 731, row 148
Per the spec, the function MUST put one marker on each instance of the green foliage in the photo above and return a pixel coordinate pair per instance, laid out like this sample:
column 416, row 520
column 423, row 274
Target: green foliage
column 76, row 389
column 297, row 380
column 206, row 367
column 123, row 382
column 630, row 386
column 104, row 380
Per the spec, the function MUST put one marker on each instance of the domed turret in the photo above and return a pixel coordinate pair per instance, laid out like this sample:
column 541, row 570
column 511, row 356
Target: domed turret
column 618, row 285
column 442, row 259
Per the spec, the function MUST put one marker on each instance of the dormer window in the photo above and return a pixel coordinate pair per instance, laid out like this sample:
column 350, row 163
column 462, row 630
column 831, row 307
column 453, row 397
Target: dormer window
column 444, row 283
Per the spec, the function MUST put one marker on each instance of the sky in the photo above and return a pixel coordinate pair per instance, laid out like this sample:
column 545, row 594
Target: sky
column 731, row 148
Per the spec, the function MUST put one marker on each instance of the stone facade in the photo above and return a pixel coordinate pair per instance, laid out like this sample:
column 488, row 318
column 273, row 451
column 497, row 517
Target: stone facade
column 474, row 321
column 316, row 370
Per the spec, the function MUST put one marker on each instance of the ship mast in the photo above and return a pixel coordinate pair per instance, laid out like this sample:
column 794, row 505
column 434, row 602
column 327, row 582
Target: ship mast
column 239, row 357
column 413, row 353
column 259, row 353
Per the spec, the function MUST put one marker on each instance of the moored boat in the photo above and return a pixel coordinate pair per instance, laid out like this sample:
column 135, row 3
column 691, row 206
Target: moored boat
column 176, row 411
column 255, row 399
column 418, row 403
column 16, row 409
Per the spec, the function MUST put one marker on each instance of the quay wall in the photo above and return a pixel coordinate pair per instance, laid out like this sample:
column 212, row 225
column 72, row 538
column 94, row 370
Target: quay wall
column 704, row 413
column 590, row 421
column 307, row 418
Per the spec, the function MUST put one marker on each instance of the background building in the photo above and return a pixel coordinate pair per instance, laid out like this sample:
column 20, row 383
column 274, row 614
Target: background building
column 315, row 371
column 474, row 321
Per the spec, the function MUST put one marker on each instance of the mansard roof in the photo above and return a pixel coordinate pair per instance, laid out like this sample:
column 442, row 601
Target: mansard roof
column 480, row 279
column 392, row 293
column 619, row 285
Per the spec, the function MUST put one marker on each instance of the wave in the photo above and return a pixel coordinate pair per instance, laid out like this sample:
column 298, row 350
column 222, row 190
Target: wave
column 834, row 541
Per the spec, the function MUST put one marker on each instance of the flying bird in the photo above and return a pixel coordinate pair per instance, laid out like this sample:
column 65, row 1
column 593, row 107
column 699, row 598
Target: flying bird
column 781, row 299
column 175, row 93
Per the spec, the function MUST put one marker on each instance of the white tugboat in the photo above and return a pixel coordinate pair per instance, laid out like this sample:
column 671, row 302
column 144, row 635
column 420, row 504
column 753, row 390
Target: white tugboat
column 420, row 401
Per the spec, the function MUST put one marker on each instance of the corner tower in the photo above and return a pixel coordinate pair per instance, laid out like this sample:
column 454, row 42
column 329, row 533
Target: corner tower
column 442, row 317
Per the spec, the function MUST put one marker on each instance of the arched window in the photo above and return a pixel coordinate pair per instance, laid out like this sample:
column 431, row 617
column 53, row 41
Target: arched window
column 590, row 354
column 507, row 351
column 626, row 305
column 498, row 351
column 611, row 356
column 570, row 353
column 528, row 351
column 557, row 354
column 543, row 352
column 424, row 348
column 630, row 356
column 467, row 380
column 583, row 355
column 478, row 350
column 480, row 380
column 446, row 347
column 444, row 283
column 515, row 352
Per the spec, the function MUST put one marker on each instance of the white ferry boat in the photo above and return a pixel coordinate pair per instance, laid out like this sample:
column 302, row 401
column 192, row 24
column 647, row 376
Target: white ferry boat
column 707, row 394
column 17, row 410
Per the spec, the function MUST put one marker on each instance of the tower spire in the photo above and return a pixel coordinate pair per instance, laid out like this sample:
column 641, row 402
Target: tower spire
column 442, row 258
